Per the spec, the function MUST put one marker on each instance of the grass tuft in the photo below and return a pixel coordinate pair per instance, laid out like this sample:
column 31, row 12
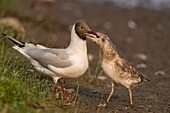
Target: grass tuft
column 24, row 89
column 12, row 89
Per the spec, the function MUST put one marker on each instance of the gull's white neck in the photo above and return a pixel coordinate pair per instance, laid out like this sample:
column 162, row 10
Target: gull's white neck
column 77, row 45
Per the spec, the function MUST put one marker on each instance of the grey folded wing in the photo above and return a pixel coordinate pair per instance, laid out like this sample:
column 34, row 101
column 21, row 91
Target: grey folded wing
column 56, row 57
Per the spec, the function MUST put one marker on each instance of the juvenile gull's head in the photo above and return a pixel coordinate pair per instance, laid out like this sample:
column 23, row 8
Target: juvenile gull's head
column 100, row 39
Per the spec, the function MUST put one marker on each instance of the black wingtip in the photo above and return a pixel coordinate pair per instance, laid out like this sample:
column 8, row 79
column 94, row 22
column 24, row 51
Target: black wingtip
column 3, row 34
column 16, row 42
column 144, row 79
column 147, row 80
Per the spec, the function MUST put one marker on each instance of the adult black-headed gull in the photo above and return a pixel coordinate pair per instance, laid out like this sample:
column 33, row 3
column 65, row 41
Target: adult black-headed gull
column 117, row 68
column 70, row 62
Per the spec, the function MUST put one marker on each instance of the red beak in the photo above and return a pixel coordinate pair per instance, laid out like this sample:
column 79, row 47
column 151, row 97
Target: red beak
column 91, row 32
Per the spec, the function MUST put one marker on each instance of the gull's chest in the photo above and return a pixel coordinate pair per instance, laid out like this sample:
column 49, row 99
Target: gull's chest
column 79, row 66
column 109, row 69
column 81, row 62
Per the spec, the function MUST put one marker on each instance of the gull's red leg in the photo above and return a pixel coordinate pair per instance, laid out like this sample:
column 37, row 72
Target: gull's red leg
column 63, row 91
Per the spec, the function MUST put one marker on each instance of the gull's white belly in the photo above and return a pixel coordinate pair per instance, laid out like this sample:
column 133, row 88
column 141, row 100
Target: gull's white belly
column 109, row 70
column 74, row 71
column 78, row 68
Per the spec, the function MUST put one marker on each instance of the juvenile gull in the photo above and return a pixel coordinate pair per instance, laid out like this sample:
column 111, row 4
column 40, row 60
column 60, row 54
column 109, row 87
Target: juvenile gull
column 117, row 68
column 58, row 63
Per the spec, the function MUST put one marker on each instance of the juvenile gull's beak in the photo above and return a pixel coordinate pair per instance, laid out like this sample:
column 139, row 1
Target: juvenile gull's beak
column 92, row 34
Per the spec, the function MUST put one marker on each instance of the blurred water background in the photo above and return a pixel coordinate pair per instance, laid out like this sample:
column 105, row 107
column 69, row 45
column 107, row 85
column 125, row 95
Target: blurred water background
column 150, row 4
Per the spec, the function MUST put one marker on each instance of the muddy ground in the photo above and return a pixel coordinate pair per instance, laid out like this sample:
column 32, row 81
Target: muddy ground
column 149, row 35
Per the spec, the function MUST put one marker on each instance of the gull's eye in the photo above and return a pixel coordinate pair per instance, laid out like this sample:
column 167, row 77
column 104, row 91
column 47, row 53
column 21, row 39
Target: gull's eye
column 81, row 27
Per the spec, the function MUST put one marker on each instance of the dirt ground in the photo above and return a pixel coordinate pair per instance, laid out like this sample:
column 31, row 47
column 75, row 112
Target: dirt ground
column 134, row 31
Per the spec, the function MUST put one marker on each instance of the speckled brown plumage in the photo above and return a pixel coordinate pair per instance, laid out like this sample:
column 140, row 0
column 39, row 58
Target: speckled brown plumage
column 116, row 67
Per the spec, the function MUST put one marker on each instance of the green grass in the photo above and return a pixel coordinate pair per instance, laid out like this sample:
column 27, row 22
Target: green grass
column 11, row 31
column 24, row 89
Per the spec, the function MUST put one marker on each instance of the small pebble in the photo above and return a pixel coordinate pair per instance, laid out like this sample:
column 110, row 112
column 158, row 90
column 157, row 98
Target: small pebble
column 102, row 77
column 159, row 72
column 141, row 56
column 131, row 24
column 125, row 108
column 141, row 66
column 70, row 90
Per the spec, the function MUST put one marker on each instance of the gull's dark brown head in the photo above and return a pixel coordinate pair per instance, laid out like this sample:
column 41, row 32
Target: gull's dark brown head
column 83, row 30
